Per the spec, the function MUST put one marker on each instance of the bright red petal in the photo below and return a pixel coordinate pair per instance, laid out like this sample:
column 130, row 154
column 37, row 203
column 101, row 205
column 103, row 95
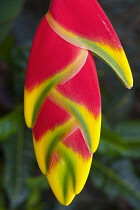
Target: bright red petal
column 85, row 18
column 84, row 24
column 61, row 152
column 49, row 117
column 80, row 97
column 52, row 61
column 84, row 87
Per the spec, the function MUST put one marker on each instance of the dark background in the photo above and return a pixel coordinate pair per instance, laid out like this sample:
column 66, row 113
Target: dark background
column 114, row 180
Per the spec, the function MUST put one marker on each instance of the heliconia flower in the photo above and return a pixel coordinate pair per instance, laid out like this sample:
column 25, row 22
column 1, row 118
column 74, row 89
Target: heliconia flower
column 62, row 97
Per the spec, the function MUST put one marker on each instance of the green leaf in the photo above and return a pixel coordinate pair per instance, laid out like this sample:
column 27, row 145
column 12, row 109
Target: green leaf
column 2, row 202
column 117, row 179
column 39, row 182
column 8, row 12
column 19, row 157
column 36, row 185
column 124, row 140
column 6, row 49
column 129, row 130
column 10, row 122
column 33, row 201
column 19, row 57
column 116, row 105
column 120, row 105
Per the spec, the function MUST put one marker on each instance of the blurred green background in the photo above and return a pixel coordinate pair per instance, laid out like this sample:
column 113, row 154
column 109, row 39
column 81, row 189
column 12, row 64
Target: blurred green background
column 114, row 180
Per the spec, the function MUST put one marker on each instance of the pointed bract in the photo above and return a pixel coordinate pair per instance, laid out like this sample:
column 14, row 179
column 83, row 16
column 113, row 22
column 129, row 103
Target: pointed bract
column 52, row 61
column 67, row 131
column 61, row 152
column 85, row 24
column 80, row 96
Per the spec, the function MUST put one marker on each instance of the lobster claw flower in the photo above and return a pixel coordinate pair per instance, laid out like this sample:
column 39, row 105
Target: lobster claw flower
column 62, row 101
column 62, row 105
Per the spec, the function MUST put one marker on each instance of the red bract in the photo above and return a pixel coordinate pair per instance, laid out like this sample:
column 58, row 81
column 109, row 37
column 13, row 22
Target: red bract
column 84, row 24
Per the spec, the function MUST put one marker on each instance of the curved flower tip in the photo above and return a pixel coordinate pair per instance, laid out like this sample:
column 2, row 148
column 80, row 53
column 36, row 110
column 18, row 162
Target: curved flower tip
column 85, row 24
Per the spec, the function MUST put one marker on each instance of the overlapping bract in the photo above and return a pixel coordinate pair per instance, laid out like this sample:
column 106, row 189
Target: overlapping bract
column 62, row 105
column 84, row 24
column 62, row 97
